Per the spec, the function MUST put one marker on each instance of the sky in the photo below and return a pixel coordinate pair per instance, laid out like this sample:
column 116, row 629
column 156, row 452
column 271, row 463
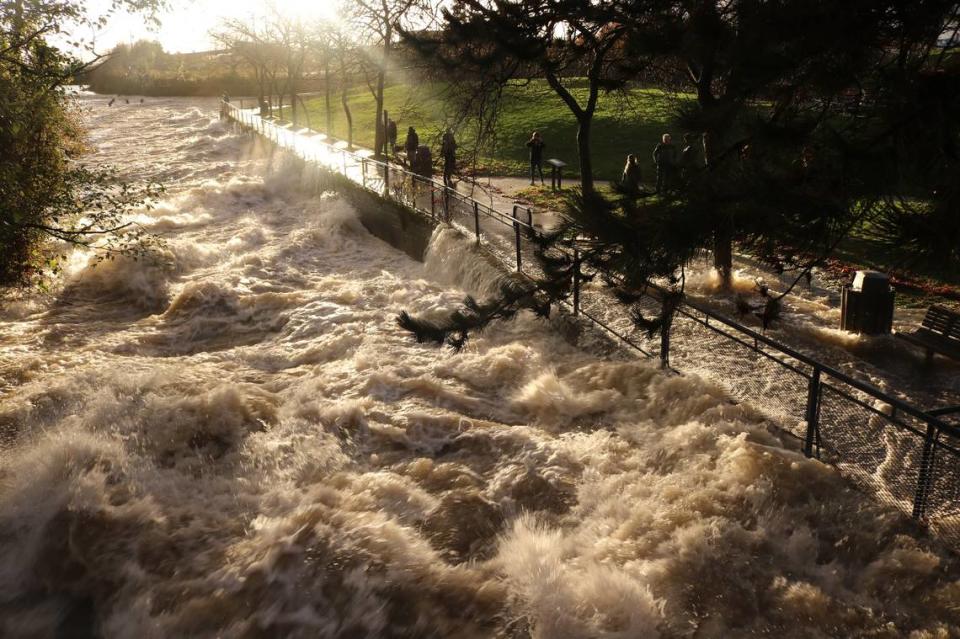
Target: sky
column 186, row 26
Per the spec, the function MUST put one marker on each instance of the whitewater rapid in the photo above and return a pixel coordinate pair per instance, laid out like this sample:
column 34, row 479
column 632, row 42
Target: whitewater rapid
column 234, row 439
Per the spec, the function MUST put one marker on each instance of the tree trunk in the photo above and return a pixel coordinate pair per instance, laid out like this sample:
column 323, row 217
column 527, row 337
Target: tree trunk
column 326, row 97
column 293, row 102
column 261, row 94
column 584, row 120
column 583, row 150
column 16, row 35
column 274, row 90
column 723, row 234
column 306, row 113
column 723, row 256
column 380, row 137
column 346, row 112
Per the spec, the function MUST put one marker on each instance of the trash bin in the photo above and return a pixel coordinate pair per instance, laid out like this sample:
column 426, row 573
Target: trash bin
column 867, row 304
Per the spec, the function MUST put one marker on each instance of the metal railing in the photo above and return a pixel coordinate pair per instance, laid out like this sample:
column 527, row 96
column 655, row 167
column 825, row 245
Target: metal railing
column 901, row 454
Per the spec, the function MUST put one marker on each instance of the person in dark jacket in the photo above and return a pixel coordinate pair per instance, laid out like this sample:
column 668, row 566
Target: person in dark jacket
column 665, row 157
column 423, row 162
column 410, row 146
column 391, row 136
column 631, row 175
column 536, row 146
column 448, row 150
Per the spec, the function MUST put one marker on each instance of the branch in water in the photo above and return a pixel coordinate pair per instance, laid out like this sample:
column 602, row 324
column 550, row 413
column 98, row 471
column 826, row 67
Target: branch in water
column 515, row 295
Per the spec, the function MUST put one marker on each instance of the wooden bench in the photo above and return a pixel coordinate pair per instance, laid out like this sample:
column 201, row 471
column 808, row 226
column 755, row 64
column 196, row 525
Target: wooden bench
column 938, row 333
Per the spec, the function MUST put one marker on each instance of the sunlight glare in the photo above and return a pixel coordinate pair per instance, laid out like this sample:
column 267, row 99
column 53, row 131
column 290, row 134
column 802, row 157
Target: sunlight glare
column 204, row 16
column 307, row 10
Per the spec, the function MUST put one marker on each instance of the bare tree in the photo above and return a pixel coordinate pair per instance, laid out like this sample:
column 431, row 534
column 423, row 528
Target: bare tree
column 569, row 43
column 378, row 24
column 344, row 51
column 325, row 40
column 251, row 42
column 291, row 42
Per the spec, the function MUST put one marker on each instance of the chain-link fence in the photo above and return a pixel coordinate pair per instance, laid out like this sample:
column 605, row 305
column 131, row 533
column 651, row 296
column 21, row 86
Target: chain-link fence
column 901, row 455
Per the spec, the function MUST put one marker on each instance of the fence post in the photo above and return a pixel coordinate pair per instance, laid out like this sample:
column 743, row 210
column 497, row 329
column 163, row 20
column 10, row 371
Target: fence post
column 813, row 412
column 576, row 281
column 476, row 220
column 386, row 180
column 363, row 172
column 516, row 230
column 530, row 217
column 926, row 472
column 433, row 204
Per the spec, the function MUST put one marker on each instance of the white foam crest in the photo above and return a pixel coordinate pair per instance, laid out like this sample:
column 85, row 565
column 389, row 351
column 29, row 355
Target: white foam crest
column 249, row 239
column 144, row 281
column 59, row 472
column 707, row 280
column 143, row 278
column 499, row 366
column 330, row 224
column 176, row 221
column 15, row 307
column 554, row 404
column 566, row 600
column 453, row 259
column 194, row 114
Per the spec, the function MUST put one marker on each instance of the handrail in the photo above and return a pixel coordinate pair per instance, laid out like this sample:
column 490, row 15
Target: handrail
column 330, row 143
column 860, row 385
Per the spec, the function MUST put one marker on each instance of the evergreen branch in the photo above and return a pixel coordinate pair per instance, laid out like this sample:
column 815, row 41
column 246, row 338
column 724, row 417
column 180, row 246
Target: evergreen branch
column 471, row 317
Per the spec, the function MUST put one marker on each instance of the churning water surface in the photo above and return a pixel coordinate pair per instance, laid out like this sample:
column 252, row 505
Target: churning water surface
column 235, row 440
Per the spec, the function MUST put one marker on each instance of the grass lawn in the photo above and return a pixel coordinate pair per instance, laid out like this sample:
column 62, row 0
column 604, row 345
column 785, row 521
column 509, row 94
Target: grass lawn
column 622, row 125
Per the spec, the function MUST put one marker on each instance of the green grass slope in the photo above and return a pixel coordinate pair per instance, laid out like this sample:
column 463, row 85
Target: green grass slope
column 632, row 123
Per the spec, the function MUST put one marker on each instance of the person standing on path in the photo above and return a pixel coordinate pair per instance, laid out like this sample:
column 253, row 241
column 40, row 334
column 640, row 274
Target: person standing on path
column 422, row 167
column 392, row 136
column 631, row 175
column 665, row 157
column 448, row 149
column 536, row 146
column 410, row 146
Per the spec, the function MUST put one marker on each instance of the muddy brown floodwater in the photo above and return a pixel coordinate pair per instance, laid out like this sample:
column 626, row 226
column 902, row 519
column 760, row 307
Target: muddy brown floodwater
column 238, row 441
